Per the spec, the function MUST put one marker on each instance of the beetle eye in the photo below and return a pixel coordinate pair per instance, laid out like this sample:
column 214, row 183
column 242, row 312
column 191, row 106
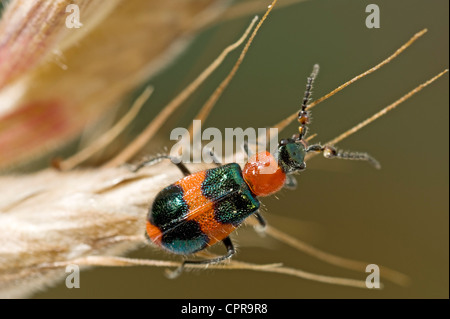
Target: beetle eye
column 286, row 141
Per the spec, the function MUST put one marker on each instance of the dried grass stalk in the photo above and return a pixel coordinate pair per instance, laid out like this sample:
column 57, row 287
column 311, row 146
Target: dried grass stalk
column 51, row 219
column 74, row 85
column 75, row 76
column 284, row 123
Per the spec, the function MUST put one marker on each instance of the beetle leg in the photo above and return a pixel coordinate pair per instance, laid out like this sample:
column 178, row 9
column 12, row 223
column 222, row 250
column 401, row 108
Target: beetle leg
column 230, row 252
column 215, row 159
column 246, row 149
column 262, row 222
column 291, row 182
column 157, row 159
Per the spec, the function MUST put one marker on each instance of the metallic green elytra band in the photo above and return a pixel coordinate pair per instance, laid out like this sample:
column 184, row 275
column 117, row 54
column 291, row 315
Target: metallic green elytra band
column 233, row 199
column 168, row 208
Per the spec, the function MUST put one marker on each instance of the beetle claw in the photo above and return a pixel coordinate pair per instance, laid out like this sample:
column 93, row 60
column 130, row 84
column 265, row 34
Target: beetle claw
column 172, row 274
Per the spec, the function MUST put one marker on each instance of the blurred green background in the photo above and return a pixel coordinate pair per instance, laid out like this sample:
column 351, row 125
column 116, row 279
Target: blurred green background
column 397, row 217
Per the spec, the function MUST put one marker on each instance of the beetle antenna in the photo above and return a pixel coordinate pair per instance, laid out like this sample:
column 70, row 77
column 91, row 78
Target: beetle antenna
column 303, row 115
column 331, row 152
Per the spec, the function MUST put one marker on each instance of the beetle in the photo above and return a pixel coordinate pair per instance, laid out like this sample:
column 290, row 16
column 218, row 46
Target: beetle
column 203, row 208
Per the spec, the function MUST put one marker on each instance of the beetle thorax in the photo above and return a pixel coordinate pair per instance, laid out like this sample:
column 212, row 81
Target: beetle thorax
column 263, row 174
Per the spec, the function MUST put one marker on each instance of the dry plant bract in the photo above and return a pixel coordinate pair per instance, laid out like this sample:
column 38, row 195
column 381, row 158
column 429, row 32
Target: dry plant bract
column 52, row 218
column 56, row 81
